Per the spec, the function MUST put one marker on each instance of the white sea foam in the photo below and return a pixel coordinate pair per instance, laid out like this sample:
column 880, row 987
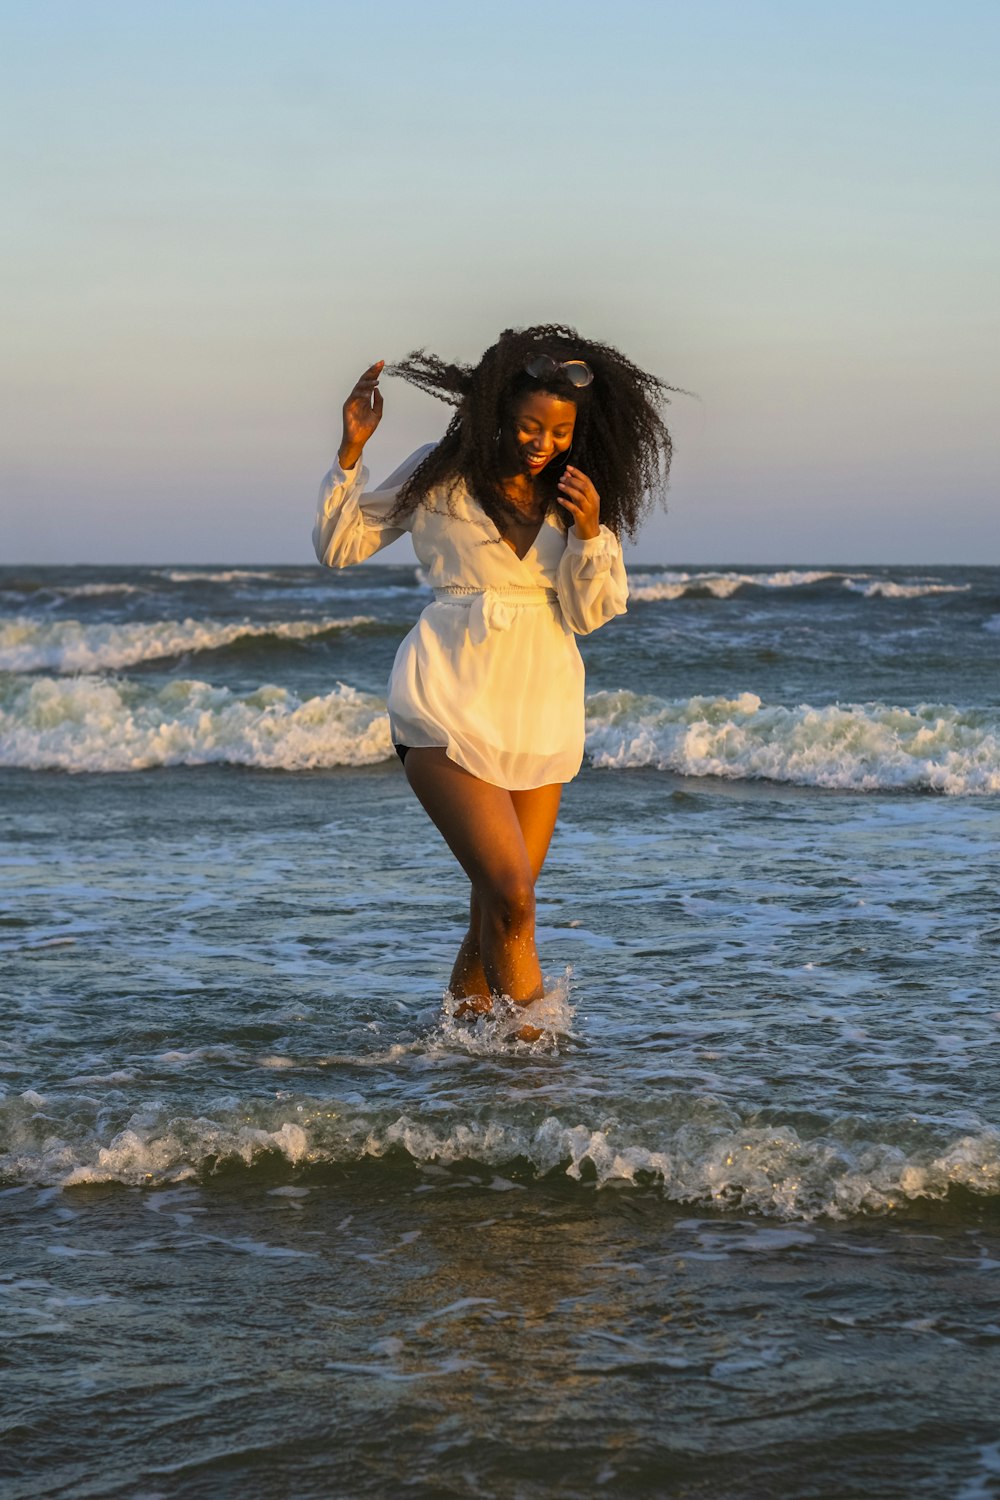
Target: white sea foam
column 97, row 724
column 721, row 585
column 220, row 575
column 95, row 590
column 650, row 587
column 100, row 724
column 992, row 624
column 861, row 747
column 707, row 1156
column 496, row 1032
column 32, row 645
column 886, row 588
column 47, row 591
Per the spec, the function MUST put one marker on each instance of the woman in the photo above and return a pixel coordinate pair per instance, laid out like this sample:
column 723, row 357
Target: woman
column 516, row 515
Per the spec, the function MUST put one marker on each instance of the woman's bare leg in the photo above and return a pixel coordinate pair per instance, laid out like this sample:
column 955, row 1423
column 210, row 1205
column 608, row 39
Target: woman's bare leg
column 482, row 827
column 468, row 977
column 536, row 812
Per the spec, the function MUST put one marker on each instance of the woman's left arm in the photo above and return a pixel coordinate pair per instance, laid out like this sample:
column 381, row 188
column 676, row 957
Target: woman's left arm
column 591, row 580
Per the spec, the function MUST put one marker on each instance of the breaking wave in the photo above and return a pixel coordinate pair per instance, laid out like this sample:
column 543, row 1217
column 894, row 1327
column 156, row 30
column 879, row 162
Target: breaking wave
column 97, row 590
column 718, row 585
column 885, row 588
column 22, row 591
column 696, row 1150
column 101, row 724
column 219, row 575
column 91, row 723
column 722, row 584
column 29, row 645
column 858, row 747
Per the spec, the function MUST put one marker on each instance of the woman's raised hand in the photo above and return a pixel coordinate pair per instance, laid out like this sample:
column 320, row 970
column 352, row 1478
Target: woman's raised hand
column 362, row 414
column 576, row 494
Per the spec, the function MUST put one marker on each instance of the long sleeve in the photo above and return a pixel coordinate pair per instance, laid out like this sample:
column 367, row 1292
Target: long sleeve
column 351, row 522
column 591, row 581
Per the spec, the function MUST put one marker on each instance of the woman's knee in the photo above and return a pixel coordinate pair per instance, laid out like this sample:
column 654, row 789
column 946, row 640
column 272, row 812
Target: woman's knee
column 507, row 903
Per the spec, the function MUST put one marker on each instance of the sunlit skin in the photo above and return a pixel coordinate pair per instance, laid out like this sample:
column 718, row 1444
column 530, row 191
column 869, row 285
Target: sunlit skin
column 499, row 837
column 540, row 432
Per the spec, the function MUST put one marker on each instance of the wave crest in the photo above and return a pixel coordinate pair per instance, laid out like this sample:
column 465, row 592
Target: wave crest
column 723, row 583
column 701, row 1152
column 886, row 588
column 29, row 645
column 719, row 585
column 218, row 575
column 106, row 724
column 857, row 747
column 96, row 724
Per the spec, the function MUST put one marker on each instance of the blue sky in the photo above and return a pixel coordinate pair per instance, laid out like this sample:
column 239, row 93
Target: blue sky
column 219, row 213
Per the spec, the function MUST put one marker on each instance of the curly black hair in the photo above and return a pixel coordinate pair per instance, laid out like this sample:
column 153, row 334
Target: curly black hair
column 619, row 441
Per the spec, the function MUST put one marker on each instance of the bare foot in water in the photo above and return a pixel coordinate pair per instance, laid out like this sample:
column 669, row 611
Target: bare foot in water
column 482, row 1005
column 474, row 1005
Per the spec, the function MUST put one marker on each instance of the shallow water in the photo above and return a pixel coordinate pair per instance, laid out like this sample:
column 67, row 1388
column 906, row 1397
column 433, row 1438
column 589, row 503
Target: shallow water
column 390, row 1330
column 274, row 1223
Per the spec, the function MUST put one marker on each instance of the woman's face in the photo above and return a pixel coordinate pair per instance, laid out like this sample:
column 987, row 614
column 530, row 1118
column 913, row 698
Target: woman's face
column 542, row 429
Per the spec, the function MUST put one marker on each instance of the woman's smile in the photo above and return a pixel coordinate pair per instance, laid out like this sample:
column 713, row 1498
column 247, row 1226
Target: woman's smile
column 540, row 417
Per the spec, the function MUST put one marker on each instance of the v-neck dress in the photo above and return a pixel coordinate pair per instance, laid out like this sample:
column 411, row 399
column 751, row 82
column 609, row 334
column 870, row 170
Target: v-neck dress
column 491, row 670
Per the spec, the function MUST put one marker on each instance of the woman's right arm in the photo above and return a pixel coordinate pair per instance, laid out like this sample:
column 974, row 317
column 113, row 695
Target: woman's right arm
column 352, row 522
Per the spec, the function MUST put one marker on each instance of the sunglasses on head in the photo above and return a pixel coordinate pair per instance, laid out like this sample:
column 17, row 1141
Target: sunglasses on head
column 543, row 367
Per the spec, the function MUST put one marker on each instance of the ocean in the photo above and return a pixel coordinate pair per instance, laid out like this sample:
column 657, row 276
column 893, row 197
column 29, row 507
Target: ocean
column 275, row 1224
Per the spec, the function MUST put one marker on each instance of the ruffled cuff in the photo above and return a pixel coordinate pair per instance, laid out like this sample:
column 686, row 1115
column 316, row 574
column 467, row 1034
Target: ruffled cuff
column 341, row 485
column 340, row 475
column 594, row 554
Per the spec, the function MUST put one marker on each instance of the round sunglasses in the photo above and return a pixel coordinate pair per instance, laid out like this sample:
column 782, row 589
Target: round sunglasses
column 543, row 367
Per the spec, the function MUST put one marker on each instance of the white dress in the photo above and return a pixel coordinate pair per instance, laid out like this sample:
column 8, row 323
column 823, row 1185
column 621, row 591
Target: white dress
column 491, row 671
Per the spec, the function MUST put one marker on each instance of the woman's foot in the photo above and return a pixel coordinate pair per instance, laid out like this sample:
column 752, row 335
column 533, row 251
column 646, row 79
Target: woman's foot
column 472, row 1006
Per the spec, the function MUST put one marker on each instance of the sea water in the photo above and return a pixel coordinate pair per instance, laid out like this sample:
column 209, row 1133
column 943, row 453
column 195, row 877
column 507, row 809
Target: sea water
column 275, row 1223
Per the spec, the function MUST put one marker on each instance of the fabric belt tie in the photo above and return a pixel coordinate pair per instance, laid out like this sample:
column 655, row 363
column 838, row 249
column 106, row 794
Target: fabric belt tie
column 493, row 609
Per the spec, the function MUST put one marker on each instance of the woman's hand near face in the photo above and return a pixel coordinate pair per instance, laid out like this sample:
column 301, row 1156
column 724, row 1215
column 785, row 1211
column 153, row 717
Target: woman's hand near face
column 578, row 496
column 362, row 414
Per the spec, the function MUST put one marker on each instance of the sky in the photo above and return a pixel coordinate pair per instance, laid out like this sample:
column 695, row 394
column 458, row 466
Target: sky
column 218, row 212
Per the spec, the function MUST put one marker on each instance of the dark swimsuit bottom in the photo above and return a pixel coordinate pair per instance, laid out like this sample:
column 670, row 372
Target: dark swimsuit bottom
column 401, row 750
